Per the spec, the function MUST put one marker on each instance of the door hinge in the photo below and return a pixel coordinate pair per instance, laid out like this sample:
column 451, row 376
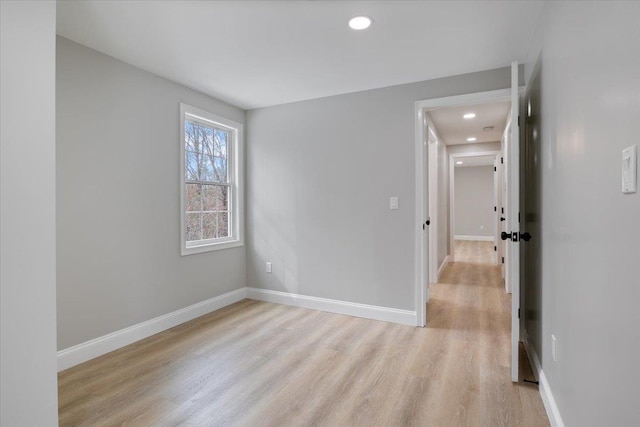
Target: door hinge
column 518, row 313
column 495, row 249
column 501, row 160
column 503, row 260
column 502, row 210
column 518, row 121
column 495, row 209
column 495, row 169
column 518, row 217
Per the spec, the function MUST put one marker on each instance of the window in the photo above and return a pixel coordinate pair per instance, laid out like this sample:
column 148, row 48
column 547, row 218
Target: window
column 211, row 190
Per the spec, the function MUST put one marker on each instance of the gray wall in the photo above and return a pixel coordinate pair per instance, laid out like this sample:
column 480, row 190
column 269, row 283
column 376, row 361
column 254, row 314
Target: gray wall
column 118, row 155
column 319, row 177
column 28, row 381
column 591, row 231
column 473, row 194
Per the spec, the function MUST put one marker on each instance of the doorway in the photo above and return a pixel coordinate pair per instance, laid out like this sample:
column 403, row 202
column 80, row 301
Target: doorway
column 424, row 260
column 474, row 208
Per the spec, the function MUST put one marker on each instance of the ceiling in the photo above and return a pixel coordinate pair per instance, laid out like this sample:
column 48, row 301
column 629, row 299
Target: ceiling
column 259, row 53
column 454, row 129
column 475, row 161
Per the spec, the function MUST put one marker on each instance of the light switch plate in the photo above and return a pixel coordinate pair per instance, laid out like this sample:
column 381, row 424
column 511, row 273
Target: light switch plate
column 629, row 169
column 268, row 267
column 393, row 203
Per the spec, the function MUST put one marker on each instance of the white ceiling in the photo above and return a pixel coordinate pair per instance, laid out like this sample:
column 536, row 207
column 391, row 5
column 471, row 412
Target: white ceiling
column 475, row 161
column 454, row 129
column 260, row 53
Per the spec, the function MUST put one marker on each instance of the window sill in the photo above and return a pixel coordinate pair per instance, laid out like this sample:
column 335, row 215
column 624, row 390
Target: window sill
column 209, row 247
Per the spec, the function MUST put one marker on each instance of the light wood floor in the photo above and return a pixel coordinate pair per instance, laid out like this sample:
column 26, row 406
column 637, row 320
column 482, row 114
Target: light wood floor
column 262, row 364
column 473, row 252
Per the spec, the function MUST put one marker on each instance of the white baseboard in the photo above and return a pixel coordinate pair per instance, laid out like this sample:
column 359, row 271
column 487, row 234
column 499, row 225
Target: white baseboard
column 394, row 315
column 96, row 347
column 474, row 238
column 545, row 390
column 443, row 265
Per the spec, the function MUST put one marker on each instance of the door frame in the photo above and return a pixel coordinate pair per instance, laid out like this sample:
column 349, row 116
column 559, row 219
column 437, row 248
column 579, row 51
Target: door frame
column 497, row 192
column 432, row 147
column 452, row 200
column 422, row 264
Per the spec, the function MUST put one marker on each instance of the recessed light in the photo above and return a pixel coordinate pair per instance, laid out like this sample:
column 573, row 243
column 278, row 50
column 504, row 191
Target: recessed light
column 360, row 22
column 472, row 139
column 458, row 163
column 469, row 115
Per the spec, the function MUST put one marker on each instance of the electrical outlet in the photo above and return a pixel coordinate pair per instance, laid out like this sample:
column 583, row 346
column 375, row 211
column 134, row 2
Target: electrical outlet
column 554, row 348
column 268, row 267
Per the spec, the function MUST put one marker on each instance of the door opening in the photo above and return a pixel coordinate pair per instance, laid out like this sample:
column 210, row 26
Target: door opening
column 473, row 204
column 435, row 232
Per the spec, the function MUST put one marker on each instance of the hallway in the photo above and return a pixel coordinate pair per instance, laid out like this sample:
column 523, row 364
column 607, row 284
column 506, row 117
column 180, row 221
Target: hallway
column 471, row 312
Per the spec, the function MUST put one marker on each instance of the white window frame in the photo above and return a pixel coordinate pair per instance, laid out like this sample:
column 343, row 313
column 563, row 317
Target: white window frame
column 235, row 161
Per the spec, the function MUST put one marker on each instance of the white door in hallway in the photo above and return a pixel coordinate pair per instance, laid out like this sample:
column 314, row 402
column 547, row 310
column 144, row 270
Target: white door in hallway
column 496, row 210
column 426, row 266
column 512, row 159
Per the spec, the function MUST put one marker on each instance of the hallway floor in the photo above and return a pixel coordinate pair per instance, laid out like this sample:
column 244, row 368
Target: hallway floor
column 261, row 364
column 471, row 307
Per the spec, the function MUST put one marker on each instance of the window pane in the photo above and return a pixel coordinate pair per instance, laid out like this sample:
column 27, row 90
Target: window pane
column 192, row 166
column 206, row 168
column 213, row 169
column 220, row 169
column 209, row 226
column 212, row 197
column 223, row 224
column 220, row 143
column 193, row 231
column 206, row 139
column 222, row 202
column 193, row 195
column 189, row 136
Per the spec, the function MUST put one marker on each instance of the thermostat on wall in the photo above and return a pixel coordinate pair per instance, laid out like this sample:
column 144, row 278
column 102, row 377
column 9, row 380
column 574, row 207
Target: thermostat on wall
column 629, row 172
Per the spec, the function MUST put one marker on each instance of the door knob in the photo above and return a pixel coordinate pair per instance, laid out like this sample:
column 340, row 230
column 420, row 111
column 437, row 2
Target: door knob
column 513, row 236
column 525, row 236
column 502, row 218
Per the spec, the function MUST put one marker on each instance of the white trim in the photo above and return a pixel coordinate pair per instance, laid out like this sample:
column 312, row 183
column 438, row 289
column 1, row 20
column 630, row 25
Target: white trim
column 235, row 165
column 96, row 347
column 474, row 238
column 496, row 209
column 443, row 265
column 544, row 388
column 432, row 160
column 385, row 314
column 421, row 261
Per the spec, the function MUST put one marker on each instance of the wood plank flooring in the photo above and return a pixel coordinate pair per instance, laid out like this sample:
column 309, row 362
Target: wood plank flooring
column 262, row 364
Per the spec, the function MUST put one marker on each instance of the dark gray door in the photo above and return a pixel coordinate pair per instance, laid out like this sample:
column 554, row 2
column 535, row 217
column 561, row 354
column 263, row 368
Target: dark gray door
column 530, row 219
